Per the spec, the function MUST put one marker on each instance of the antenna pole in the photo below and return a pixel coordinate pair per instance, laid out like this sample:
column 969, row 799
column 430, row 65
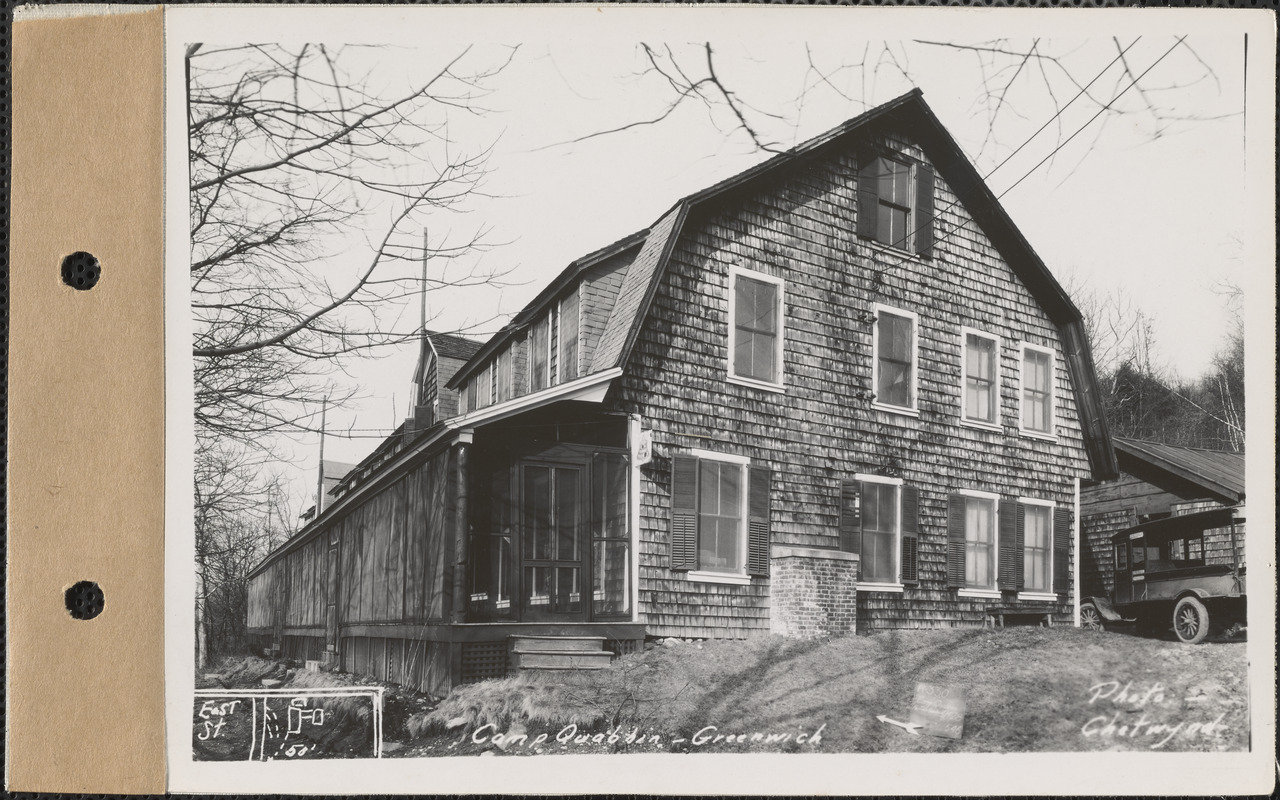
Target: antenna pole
column 320, row 480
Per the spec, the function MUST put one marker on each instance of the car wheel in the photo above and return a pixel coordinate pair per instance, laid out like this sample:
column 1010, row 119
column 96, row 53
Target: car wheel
column 1190, row 620
column 1090, row 618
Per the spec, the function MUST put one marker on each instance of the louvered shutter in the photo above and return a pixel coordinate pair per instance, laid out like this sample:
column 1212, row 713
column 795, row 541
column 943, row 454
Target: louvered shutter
column 758, row 521
column 1008, row 569
column 868, row 193
column 684, row 512
column 1062, row 550
column 924, row 210
column 910, row 533
column 955, row 540
column 851, row 516
column 1020, row 544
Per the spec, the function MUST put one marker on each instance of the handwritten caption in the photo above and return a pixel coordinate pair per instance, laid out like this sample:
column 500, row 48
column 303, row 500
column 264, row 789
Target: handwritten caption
column 270, row 724
column 709, row 735
column 1147, row 700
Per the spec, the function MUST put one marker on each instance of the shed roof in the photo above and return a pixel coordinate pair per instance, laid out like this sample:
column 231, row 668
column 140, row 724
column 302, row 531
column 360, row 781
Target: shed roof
column 1219, row 472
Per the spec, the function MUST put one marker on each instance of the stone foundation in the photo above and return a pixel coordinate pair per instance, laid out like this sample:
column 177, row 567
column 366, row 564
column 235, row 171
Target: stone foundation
column 813, row 592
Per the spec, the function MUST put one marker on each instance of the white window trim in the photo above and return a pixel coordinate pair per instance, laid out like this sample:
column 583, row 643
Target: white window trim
column 869, row 586
column 886, row 586
column 912, row 410
column 735, row 272
column 1052, row 434
column 740, row 576
column 699, row 576
column 1037, row 594
column 995, row 590
column 969, row 422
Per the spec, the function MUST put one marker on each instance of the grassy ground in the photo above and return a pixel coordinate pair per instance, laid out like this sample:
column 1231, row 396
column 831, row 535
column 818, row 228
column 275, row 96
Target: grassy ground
column 1027, row 689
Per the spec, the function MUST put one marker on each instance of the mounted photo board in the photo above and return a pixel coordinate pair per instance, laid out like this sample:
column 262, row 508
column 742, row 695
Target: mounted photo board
column 100, row 428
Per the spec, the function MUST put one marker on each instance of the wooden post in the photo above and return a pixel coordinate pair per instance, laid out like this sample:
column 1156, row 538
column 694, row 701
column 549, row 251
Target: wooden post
column 462, row 524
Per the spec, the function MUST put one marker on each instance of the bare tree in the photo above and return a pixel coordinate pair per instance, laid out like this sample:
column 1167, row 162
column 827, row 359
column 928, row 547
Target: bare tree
column 241, row 513
column 311, row 185
column 1017, row 81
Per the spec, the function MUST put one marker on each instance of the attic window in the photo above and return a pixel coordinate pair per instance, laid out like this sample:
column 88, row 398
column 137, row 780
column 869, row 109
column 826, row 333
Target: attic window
column 895, row 202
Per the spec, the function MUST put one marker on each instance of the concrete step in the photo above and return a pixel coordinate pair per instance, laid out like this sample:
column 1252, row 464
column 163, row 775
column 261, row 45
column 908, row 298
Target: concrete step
column 560, row 659
column 558, row 643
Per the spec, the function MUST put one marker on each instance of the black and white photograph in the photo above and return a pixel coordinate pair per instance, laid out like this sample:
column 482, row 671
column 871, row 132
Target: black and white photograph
column 611, row 388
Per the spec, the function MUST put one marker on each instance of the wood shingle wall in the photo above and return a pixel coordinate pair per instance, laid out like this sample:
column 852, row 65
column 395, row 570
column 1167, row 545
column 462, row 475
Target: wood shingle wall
column 822, row 428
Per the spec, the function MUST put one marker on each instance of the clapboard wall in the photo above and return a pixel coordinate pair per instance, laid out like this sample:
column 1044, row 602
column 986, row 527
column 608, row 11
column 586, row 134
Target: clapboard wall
column 802, row 228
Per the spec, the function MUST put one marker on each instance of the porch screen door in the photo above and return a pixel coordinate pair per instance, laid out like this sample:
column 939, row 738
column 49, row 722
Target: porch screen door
column 553, row 501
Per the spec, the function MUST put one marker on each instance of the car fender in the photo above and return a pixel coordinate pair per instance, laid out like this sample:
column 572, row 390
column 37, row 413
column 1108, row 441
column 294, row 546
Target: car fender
column 1196, row 592
column 1105, row 608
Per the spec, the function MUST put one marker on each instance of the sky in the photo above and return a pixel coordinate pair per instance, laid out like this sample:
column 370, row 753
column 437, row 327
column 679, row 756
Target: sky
column 1147, row 202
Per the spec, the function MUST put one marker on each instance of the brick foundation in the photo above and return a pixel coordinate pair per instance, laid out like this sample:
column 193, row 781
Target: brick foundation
column 813, row 592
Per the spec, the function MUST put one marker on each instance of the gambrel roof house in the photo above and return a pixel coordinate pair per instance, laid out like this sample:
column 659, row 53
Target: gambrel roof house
column 838, row 391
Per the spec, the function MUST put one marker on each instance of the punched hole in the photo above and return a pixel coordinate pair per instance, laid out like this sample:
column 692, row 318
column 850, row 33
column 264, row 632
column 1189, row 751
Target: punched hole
column 84, row 600
column 81, row 270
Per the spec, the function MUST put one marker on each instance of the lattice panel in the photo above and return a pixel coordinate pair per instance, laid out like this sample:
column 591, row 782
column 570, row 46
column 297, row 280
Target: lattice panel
column 483, row 660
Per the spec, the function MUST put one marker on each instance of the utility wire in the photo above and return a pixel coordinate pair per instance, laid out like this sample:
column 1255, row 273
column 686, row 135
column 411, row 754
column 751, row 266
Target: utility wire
column 938, row 214
column 1052, row 153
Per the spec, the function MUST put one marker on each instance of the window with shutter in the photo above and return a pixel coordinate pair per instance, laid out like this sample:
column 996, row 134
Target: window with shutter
column 1009, row 555
column 910, row 534
column 1035, row 535
column 974, row 529
column 895, row 202
column 720, row 509
column 684, row 512
column 878, row 523
column 1062, row 550
column 851, row 516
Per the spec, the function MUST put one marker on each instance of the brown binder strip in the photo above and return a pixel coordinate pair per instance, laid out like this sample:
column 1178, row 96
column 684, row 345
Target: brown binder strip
column 86, row 424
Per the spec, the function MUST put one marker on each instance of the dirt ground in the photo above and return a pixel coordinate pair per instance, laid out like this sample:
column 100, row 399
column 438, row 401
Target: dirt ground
column 1024, row 690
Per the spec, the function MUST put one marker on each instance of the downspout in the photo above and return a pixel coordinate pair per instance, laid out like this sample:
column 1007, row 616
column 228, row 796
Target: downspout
column 1075, row 555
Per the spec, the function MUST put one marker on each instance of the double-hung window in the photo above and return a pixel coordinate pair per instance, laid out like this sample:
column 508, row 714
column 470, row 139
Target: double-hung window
column 881, row 525
column 755, row 328
column 1037, row 546
column 973, row 544
column 895, row 202
column 980, row 378
column 719, row 517
column 879, row 520
column 1037, row 391
column 894, row 369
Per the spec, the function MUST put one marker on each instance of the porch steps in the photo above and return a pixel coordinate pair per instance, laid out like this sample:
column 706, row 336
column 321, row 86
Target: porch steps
column 559, row 652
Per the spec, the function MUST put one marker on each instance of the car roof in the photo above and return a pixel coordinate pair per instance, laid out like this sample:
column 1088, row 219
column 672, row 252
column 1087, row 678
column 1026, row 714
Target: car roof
column 1182, row 525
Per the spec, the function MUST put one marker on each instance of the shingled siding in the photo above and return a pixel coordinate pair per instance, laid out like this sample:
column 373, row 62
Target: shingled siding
column 1098, row 560
column 822, row 428
column 599, row 290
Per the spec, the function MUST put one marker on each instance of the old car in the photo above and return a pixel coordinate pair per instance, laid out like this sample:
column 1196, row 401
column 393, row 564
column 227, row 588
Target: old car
column 1182, row 571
